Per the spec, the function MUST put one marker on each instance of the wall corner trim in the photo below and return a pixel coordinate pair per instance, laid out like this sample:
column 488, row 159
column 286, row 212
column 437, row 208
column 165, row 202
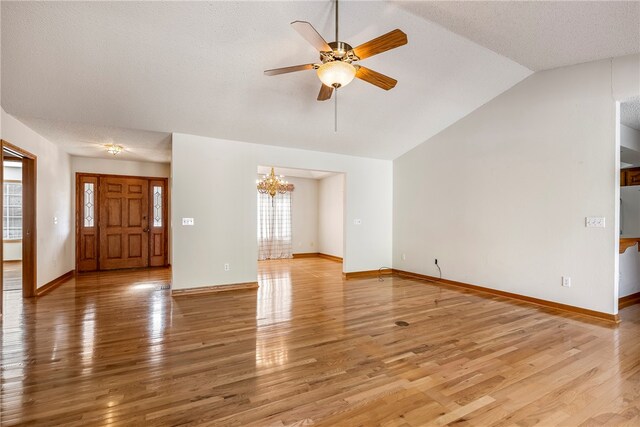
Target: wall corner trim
column 214, row 289
column 367, row 274
column 629, row 300
column 608, row 317
column 48, row 287
column 306, row 255
column 330, row 257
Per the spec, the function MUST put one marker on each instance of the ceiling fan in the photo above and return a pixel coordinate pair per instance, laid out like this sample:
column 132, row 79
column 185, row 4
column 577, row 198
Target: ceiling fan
column 338, row 64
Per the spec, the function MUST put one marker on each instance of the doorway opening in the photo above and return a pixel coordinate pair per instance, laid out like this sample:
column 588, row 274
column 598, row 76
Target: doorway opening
column 629, row 210
column 121, row 222
column 300, row 232
column 19, row 256
column 305, row 220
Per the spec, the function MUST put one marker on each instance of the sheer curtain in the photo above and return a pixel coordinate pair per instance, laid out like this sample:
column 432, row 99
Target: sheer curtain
column 274, row 226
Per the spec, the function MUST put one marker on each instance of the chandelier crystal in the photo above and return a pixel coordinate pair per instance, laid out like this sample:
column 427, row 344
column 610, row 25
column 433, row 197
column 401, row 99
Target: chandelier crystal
column 272, row 184
column 114, row 149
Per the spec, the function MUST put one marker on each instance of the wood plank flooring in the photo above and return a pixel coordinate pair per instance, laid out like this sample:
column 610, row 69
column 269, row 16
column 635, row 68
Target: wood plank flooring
column 308, row 348
column 12, row 275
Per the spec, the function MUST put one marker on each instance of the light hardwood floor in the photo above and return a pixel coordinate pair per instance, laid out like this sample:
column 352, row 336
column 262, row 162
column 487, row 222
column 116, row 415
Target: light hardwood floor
column 307, row 348
column 12, row 276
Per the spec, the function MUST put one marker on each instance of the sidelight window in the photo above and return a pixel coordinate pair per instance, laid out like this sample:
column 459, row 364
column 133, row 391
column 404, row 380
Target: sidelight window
column 157, row 206
column 89, row 204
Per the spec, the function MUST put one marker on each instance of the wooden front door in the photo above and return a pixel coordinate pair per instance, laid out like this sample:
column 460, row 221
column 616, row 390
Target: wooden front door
column 121, row 222
column 124, row 223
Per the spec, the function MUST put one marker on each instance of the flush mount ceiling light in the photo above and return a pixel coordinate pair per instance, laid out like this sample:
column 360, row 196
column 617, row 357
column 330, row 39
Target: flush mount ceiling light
column 114, row 149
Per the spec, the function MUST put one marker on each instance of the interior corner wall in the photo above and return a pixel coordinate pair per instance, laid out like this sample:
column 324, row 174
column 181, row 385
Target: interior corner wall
column 304, row 215
column 54, row 240
column 629, row 137
column 625, row 77
column 500, row 197
column 213, row 181
column 331, row 215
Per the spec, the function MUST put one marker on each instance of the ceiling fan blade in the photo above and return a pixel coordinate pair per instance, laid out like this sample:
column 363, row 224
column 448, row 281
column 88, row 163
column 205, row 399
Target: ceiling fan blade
column 310, row 34
column 375, row 78
column 385, row 42
column 325, row 93
column 292, row 69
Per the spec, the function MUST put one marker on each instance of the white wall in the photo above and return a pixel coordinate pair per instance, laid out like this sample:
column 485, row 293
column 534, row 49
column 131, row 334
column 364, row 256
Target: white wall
column 55, row 243
column 214, row 183
column 630, row 271
column 119, row 167
column 304, row 215
column 12, row 173
column 331, row 215
column 12, row 250
column 625, row 77
column 630, row 211
column 501, row 196
column 629, row 137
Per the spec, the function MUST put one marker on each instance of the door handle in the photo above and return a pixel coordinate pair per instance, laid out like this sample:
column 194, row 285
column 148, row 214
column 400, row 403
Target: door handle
column 146, row 230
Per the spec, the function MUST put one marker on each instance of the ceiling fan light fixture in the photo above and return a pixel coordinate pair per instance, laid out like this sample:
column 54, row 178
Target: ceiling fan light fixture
column 336, row 73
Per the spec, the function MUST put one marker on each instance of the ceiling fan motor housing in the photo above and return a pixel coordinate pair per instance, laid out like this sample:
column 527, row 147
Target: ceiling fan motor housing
column 340, row 50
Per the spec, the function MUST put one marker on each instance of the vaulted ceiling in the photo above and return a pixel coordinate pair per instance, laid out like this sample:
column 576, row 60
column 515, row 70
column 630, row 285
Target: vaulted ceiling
column 541, row 34
column 85, row 74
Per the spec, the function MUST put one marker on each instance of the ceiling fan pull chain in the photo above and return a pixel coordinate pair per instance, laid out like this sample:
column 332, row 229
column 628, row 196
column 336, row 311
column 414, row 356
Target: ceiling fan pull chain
column 335, row 113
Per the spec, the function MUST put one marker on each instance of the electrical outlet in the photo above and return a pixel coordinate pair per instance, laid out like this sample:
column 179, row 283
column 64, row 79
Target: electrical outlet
column 357, row 221
column 187, row 221
column 436, row 261
column 404, row 257
column 226, row 267
column 566, row 281
column 594, row 221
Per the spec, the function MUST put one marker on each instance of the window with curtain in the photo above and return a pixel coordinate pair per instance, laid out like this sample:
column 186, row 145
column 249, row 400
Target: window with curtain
column 274, row 226
column 12, row 211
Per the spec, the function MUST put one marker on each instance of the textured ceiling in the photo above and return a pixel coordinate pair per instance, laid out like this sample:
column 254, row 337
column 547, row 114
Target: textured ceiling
column 541, row 34
column 630, row 114
column 90, row 140
column 196, row 67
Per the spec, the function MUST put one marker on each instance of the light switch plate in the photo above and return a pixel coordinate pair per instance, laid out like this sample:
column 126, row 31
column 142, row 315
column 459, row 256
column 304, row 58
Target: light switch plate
column 594, row 221
column 357, row 221
column 187, row 221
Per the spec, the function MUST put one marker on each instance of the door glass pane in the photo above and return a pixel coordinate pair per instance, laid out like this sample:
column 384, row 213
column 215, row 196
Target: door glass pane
column 89, row 204
column 157, row 206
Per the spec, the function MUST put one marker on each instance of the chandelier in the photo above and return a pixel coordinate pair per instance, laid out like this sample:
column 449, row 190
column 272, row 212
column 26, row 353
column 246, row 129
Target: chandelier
column 114, row 149
column 272, row 184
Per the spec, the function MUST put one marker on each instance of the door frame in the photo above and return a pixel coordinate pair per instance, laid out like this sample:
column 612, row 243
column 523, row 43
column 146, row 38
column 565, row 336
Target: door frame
column 29, row 218
column 79, row 218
